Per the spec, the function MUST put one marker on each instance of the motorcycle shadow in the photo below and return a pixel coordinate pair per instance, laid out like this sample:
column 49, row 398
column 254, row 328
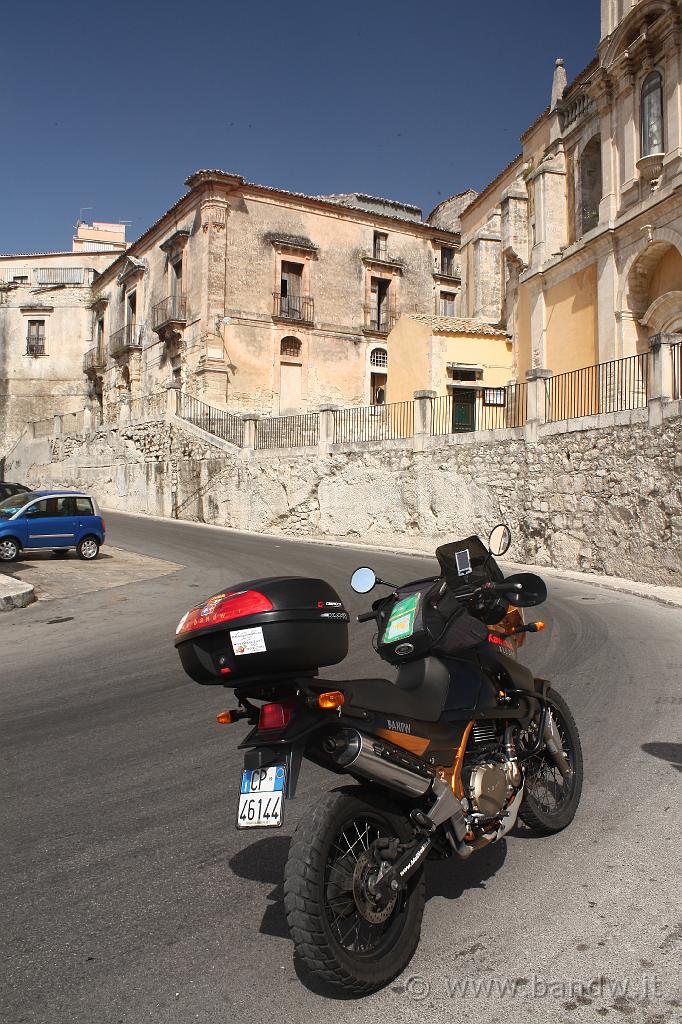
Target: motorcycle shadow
column 264, row 860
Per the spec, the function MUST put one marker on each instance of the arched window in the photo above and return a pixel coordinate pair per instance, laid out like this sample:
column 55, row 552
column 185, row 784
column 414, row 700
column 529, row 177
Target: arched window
column 378, row 357
column 651, row 114
column 590, row 185
column 290, row 347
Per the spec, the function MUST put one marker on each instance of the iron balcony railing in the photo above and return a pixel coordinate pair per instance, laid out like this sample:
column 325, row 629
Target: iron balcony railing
column 373, row 422
column 449, row 269
column 616, row 386
column 172, row 309
column 128, row 337
column 480, row 409
column 300, row 308
column 35, row 347
column 381, row 321
column 214, row 421
column 93, row 359
column 296, row 431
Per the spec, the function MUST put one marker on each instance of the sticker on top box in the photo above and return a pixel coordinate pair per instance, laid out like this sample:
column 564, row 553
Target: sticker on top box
column 248, row 641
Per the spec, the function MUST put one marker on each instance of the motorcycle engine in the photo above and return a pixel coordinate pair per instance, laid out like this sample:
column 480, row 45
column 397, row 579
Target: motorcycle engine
column 491, row 786
column 494, row 777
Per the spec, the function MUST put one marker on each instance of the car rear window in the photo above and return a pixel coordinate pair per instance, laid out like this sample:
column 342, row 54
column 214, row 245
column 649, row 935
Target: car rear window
column 84, row 507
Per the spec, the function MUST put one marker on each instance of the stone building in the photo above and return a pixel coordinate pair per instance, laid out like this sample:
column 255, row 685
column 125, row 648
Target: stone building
column 45, row 326
column 251, row 298
column 576, row 247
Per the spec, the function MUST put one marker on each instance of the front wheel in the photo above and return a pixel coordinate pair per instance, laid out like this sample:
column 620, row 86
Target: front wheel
column 551, row 800
column 9, row 549
column 88, row 548
column 341, row 933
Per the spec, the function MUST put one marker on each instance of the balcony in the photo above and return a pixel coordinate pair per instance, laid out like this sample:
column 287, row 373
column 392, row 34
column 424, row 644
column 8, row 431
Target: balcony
column 93, row 360
column 298, row 308
column 169, row 317
column 448, row 269
column 379, row 321
column 128, row 339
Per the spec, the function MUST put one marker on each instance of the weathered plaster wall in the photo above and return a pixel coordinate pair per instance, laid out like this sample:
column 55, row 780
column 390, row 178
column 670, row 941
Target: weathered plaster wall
column 603, row 500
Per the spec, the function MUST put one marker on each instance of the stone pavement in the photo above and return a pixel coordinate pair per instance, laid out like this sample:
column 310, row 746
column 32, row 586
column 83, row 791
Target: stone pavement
column 58, row 576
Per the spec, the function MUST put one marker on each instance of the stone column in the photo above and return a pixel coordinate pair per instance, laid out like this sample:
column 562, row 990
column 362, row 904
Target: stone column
column 250, row 421
column 124, row 413
column 423, row 417
column 536, row 403
column 607, row 299
column 326, row 426
column 57, row 426
column 661, row 384
column 87, row 421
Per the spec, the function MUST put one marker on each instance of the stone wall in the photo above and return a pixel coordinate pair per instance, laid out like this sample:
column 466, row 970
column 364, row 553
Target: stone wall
column 607, row 499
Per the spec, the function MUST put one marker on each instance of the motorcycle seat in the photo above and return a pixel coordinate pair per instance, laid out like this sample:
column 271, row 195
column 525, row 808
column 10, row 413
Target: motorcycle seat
column 419, row 691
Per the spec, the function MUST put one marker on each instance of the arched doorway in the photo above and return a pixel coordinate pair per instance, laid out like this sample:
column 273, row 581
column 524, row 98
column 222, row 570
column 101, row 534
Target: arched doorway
column 378, row 362
column 290, row 376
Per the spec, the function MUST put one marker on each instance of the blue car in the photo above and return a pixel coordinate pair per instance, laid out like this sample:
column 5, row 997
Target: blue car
column 50, row 519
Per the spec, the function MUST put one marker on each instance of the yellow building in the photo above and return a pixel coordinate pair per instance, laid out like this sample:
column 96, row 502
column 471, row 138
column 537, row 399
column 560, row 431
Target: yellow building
column 467, row 360
column 576, row 247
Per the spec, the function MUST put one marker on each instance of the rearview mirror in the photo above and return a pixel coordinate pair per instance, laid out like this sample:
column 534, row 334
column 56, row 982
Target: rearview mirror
column 363, row 580
column 532, row 590
column 499, row 540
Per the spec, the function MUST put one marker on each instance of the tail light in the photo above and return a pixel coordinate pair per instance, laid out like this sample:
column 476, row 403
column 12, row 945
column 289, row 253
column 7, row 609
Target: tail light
column 276, row 716
column 222, row 608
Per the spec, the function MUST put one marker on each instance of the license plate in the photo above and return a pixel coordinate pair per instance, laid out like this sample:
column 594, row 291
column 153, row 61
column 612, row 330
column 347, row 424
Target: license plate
column 261, row 799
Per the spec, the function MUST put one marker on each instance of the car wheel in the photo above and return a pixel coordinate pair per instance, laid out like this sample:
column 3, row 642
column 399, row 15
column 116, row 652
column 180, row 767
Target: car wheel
column 88, row 548
column 9, row 549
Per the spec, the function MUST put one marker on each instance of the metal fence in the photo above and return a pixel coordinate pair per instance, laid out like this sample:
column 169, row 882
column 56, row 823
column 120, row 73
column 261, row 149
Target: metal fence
column 128, row 337
column 374, row 422
column 214, row 421
column 300, row 308
column 615, row 386
column 483, row 409
column 288, row 431
column 171, row 309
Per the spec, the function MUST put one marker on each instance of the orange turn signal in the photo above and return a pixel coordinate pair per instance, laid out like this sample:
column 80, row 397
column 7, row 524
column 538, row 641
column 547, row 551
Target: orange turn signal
column 539, row 626
column 226, row 718
column 332, row 699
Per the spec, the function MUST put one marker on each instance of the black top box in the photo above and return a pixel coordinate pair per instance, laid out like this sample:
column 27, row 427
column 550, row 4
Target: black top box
column 277, row 626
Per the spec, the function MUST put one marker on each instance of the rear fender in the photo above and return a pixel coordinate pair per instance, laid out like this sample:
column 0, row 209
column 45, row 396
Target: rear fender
column 268, row 747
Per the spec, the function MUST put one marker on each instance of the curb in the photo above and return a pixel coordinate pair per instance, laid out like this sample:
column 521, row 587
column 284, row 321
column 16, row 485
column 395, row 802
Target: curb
column 15, row 594
column 670, row 597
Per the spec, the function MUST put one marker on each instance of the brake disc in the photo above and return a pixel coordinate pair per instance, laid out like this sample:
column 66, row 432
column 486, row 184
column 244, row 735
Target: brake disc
column 374, row 909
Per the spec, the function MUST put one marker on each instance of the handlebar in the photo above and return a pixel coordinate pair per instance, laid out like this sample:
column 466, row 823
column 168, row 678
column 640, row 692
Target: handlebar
column 366, row 616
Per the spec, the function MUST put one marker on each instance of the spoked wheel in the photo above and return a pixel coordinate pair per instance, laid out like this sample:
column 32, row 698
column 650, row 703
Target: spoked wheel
column 551, row 800
column 343, row 932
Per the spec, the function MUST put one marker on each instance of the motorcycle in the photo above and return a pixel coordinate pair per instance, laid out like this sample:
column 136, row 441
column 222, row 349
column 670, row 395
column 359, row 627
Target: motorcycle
column 444, row 759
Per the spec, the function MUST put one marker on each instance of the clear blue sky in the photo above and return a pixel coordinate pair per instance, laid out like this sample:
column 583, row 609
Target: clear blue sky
column 112, row 106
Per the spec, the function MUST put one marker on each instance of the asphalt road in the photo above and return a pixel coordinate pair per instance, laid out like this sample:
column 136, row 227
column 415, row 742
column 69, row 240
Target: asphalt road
column 128, row 896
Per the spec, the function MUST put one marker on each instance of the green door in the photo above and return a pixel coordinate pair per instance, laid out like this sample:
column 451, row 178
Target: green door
column 463, row 410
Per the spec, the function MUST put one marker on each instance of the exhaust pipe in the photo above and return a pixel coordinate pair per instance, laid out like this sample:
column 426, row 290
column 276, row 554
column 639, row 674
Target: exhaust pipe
column 377, row 761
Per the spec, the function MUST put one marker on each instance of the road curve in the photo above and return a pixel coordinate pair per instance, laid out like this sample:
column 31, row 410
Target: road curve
column 128, row 896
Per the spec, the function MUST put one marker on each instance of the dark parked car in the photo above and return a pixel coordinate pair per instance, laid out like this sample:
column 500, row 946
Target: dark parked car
column 50, row 519
column 8, row 490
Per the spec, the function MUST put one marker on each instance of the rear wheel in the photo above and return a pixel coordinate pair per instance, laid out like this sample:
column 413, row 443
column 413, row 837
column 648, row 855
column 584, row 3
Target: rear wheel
column 551, row 800
column 9, row 549
column 88, row 548
column 342, row 934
